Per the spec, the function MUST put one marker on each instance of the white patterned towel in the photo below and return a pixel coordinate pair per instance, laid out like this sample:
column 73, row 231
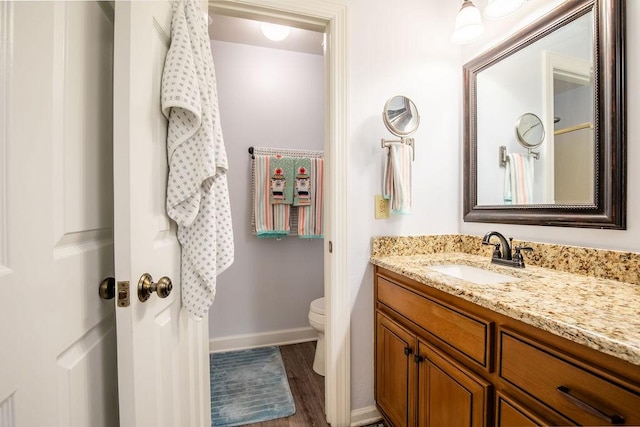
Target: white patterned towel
column 197, row 192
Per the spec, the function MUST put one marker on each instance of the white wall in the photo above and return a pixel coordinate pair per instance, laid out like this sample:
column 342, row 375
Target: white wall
column 400, row 48
column 268, row 98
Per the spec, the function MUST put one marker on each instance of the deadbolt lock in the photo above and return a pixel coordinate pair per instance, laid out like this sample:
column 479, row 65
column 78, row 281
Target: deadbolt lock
column 107, row 288
column 146, row 287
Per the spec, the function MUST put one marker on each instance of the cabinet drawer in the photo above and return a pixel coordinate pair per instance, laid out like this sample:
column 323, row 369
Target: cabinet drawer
column 465, row 333
column 564, row 385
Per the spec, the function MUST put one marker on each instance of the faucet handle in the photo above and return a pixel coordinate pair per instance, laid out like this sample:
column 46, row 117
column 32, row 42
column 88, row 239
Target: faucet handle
column 518, row 258
column 496, row 249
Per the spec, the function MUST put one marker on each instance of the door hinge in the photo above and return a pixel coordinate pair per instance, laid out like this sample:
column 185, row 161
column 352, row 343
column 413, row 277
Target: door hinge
column 123, row 294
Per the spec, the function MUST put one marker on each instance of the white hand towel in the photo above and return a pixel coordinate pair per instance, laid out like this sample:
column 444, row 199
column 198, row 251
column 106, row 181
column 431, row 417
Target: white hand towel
column 197, row 192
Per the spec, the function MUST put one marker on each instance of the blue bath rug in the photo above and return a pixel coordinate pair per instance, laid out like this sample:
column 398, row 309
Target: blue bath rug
column 249, row 386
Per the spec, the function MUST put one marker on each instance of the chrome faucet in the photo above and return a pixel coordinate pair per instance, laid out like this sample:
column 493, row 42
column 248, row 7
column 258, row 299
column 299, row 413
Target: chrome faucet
column 504, row 256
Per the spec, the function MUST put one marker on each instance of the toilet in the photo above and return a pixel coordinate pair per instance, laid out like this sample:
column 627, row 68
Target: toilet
column 317, row 322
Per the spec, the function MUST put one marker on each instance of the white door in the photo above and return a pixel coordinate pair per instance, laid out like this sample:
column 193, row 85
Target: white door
column 163, row 371
column 57, row 337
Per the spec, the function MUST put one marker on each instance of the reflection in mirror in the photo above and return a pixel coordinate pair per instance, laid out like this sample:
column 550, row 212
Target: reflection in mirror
column 567, row 70
column 521, row 83
column 530, row 131
column 400, row 116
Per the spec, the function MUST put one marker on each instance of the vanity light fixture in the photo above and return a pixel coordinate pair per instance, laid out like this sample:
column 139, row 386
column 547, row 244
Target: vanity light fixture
column 498, row 9
column 468, row 23
column 274, row 32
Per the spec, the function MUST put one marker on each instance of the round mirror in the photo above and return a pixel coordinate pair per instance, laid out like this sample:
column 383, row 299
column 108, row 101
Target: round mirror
column 530, row 130
column 400, row 116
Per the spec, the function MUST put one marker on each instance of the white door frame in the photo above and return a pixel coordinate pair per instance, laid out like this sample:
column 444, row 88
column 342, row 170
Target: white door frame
column 331, row 18
column 576, row 70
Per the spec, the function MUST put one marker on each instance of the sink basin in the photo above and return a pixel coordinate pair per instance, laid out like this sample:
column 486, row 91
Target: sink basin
column 473, row 274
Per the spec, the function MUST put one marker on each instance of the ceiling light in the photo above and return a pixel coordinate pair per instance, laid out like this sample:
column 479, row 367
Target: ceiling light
column 498, row 9
column 468, row 23
column 275, row 32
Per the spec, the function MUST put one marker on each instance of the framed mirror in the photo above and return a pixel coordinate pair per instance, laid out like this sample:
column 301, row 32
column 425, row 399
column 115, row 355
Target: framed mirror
column 566, row 71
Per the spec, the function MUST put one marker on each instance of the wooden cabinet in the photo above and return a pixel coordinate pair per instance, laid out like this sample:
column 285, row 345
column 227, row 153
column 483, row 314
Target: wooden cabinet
column 443, row 361
column 416, row 383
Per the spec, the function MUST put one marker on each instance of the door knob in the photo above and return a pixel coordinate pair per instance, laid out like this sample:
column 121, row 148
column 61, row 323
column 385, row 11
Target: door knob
column 146, row 287
column 107, row 288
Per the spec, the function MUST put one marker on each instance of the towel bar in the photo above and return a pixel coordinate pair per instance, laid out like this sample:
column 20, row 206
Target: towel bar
column 502, row 159
column 409, row 141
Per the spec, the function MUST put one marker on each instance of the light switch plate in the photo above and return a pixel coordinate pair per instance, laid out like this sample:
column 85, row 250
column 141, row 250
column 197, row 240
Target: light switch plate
column 381, row 207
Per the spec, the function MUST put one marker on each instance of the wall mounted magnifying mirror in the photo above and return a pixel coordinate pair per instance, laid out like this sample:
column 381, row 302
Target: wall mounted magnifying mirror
column 400, row 116
column 567, row 70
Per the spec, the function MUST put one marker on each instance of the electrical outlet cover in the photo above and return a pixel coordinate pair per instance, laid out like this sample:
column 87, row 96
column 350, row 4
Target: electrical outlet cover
column 381, row 207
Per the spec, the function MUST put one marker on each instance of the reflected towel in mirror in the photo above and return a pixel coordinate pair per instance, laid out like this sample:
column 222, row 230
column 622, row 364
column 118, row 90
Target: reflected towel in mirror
column 518, row 179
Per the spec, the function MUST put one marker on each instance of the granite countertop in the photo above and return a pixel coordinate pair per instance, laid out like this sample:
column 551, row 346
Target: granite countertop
column 600, row 313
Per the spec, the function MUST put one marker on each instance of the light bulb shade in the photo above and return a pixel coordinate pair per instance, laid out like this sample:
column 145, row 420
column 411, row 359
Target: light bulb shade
column 274, row 32
column 498, row 9
column 468, row 23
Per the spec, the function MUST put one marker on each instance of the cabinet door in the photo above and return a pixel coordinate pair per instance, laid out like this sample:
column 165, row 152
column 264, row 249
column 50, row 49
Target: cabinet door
column 449, row 395
column 395, row 371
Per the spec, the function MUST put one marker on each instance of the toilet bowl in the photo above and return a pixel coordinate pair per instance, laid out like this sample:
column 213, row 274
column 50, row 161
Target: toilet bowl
column 317, row 322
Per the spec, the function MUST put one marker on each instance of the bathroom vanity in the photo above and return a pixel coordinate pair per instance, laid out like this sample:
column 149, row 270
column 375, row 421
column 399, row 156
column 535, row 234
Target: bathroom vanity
column 521, row 347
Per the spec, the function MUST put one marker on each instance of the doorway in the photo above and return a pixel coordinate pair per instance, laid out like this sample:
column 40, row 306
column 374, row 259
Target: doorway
column 329, row 18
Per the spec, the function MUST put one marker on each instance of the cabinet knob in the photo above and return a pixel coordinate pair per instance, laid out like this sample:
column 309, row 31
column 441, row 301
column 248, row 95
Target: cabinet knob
column 408, row 351
column 418, row 358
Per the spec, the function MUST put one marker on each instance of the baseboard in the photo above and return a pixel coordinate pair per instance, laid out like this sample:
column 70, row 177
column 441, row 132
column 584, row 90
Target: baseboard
column 365, row 416
column 263, row 339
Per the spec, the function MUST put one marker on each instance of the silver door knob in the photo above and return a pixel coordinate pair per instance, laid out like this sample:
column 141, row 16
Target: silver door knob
column 146, row 287
column 107, row 288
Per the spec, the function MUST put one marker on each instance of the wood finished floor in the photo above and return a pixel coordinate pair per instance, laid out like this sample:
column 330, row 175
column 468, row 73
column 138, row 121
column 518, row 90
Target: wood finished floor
column 306, row 386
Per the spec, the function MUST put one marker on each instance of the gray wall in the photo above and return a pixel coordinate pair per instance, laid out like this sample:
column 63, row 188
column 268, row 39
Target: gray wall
column 268, row 98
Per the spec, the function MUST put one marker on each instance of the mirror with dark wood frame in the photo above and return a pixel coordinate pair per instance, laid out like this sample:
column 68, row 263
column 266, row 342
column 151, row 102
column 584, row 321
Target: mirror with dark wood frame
column 568, row 68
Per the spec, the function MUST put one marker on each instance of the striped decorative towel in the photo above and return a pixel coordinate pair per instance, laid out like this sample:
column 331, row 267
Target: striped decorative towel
column 310, row 217
column 397, row 177
column 271, row 220
column 518, row 179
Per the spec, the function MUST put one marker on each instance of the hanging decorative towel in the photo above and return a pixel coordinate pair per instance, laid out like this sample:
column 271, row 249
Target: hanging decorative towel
column 197, row 192
column 281, row 179
column 270, row 220
column 302, row 190
column 310, row 216
column 279, row 220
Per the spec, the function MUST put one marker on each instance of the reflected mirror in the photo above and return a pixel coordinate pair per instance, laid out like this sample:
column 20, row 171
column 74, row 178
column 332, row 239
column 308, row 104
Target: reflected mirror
column 400, row 116
column 561, row 81
column 530, row 131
